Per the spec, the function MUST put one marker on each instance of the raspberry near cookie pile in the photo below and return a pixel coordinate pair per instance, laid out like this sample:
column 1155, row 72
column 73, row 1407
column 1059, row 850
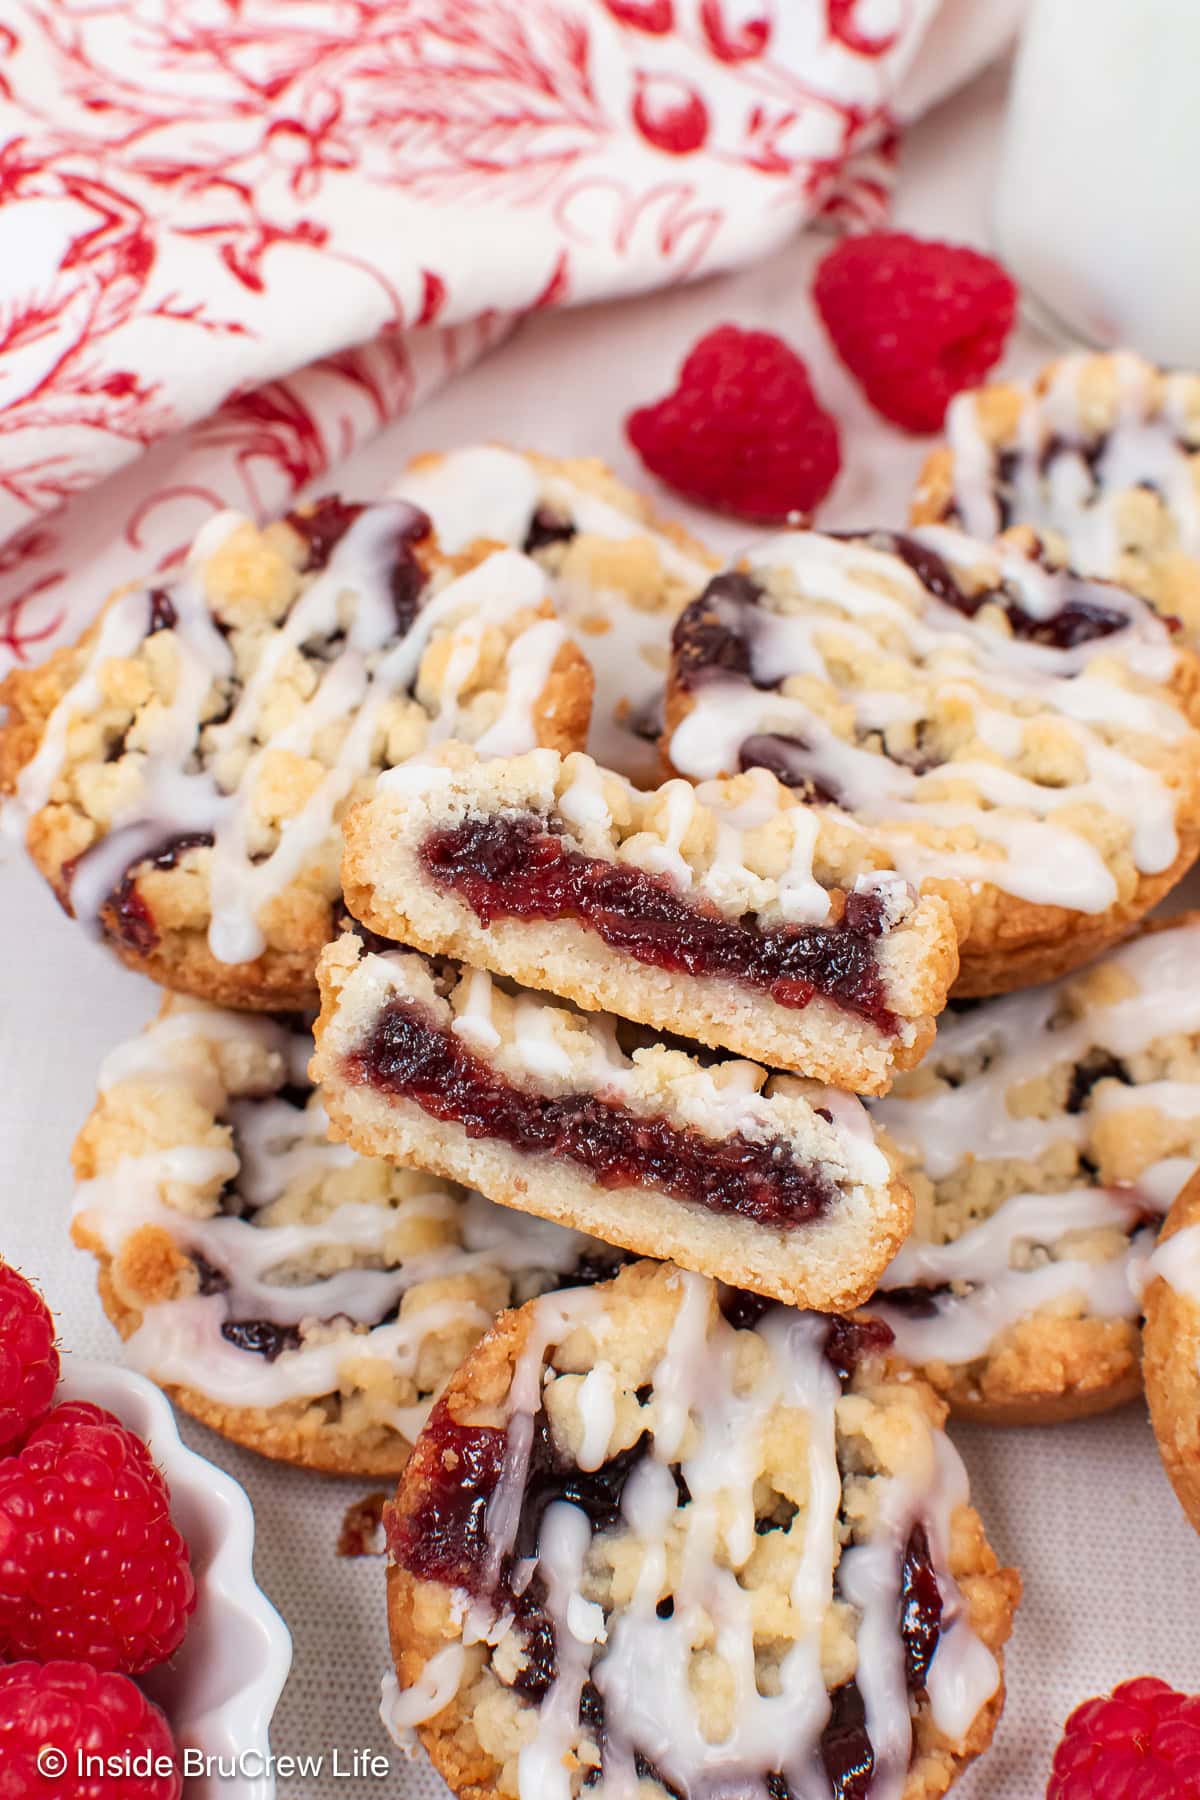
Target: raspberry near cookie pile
column 300, row 1299
column 1100, row 455
column 987, row 720
column 661, row 1538
column 180, row 772
column 777, row 1184
column 730, row 912
column 1044, row 1139
column 619, row 574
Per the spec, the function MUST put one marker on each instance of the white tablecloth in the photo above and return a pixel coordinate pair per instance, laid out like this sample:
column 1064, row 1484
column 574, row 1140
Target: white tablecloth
column 1085, row 1511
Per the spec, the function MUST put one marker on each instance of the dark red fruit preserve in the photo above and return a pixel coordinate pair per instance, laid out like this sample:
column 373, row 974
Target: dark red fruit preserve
column 445, row 1537
column 409, row 1055
column 515, row 866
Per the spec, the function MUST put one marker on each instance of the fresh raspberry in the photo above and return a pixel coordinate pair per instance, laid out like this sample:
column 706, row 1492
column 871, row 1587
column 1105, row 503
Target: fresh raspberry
column 54, row 1715
column 28, row 1359
column 743, row 432
column 1141, row 1742
column 91, row 1566
column 915, row 322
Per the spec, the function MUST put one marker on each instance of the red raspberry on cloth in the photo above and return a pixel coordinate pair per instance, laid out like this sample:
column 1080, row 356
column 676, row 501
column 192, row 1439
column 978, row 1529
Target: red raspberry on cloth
column 743, row 432
column 1141, row 1742
column 91, row 1566
column 914, row 321
column 54, row 1715
column 28, row 1359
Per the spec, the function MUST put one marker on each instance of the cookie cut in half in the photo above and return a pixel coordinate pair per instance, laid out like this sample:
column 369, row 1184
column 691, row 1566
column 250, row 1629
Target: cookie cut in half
column 1099, row 456
column 179, row 773
column 1044, row 1139
column 620, row 574
column 777, row 1184
column 659, row 1540
column 731, row 913
column 989, row 721
column 1172, row 1346
column 300, row 1299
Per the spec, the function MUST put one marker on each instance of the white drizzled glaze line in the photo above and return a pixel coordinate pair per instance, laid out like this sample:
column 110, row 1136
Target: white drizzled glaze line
column 1023, row 850
column 434, row 1688
column 1143, row 449
column 175, row 799
column 279, row 1147
column 487, row 492
column 1177, row 1261
column 640, row 1662
column 945, row 1129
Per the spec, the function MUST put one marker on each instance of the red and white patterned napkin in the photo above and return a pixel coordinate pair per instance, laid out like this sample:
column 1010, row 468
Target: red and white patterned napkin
column 238, row 236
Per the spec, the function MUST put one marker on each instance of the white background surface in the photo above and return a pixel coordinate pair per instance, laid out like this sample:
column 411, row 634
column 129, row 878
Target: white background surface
column 1084, row 1511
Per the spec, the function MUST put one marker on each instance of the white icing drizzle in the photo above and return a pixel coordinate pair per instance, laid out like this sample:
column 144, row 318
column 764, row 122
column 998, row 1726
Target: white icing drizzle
column 1177, row 1261
column 706, row 1420
column 1052, row 487
column 278, row 1148
column 488, row 492
column 997, row 1282
column 1024, row 847
column 371, row 668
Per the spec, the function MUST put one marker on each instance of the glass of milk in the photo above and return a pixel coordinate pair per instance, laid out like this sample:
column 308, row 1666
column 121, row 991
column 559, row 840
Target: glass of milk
column 1095, row 211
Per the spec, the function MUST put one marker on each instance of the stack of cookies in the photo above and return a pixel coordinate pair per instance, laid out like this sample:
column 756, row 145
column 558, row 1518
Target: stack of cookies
column 694, row 957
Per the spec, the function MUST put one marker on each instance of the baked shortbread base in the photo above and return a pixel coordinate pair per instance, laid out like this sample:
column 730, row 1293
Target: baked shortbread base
column 984, row 717
column 772, row 1183
column 1171, row 1347
column 1043, row 1140
column 743, row 853
column 1099, row 456
column 740, row 1439
column 180, row 773
column 301, row 1300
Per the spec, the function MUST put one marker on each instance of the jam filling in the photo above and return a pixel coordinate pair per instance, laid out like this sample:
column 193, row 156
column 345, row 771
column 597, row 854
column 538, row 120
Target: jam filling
column 262, row 1337
column 714, row 635
column 711, row 635
column 786, row 758
column 407, row 1055
column 848, row 1342
column 920, row 1609
column 917, row 1302
column 846, row 1751
column 516, row 866
column 444, row 1538
column 125, row 913
column 323, row 528
column 545, row 528
column 1081, row 619
column 1097, row 1065
column 163, row 616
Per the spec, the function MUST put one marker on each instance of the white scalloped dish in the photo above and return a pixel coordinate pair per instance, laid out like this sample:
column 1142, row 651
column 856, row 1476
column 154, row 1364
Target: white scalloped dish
column 220, row 1689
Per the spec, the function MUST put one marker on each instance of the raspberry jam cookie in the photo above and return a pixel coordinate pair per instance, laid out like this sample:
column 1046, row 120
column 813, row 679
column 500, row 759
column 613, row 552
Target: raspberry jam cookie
column 1100, row 455
column 1171, row 1346
column 657, row 1540
column 730, row 912
column 179, row 773
column 302, row 1300
column 1044, row 1139
column 989, row 722
column 620, row 575
column 777, row 1184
